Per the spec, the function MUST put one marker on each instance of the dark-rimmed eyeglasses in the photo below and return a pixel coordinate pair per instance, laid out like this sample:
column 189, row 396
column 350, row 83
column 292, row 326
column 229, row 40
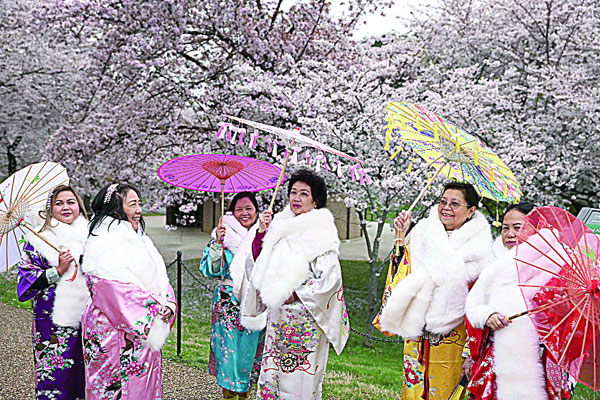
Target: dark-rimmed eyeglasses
column 454, row 205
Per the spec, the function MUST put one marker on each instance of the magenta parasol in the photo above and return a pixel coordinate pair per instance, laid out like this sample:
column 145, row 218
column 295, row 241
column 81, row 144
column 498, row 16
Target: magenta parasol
column 220, row 173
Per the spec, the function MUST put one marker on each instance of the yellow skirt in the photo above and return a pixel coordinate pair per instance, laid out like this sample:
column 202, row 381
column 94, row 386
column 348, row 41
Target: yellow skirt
column 445, row 367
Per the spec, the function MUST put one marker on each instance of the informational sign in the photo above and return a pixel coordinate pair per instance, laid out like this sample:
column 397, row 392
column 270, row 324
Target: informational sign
column 590, row 217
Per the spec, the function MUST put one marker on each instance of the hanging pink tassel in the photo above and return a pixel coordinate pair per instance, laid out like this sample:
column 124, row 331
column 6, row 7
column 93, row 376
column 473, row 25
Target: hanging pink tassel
column 231, row 134
column 354, row 168
column 294, row 157
column 223, row 126
column 307, row 155
column 241, row 131
column 253, row 138
column 274, row 154
column 321, row 158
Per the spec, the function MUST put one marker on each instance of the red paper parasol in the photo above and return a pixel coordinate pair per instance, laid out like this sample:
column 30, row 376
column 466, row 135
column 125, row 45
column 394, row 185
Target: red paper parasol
column 559, row 275
column 219, row 173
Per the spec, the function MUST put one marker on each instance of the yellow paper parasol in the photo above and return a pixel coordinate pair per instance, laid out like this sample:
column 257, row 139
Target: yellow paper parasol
column 450, row 151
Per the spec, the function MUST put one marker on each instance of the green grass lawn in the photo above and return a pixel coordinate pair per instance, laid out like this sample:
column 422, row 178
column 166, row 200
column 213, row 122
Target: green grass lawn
column 358, row 373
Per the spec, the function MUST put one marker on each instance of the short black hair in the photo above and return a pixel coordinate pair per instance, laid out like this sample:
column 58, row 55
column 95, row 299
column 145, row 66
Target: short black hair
column 113, row 207
column 471, row 195
column 240, row 196
column 524, row 207
column 318, row 188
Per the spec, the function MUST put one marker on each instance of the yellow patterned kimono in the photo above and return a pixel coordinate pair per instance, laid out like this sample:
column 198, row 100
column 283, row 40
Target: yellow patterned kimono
column 438, row 366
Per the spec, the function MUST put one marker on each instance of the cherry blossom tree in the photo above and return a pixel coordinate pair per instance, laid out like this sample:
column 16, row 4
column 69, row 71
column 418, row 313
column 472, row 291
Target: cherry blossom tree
column 523, row 76
column 35, row 70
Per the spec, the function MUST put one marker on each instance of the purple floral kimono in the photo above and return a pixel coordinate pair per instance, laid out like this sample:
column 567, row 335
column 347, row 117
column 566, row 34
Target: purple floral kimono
column 57, row 350
column 116, row 325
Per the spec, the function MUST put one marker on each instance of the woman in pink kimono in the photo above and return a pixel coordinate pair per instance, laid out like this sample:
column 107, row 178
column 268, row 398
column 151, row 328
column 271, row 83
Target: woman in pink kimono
column 132, row 304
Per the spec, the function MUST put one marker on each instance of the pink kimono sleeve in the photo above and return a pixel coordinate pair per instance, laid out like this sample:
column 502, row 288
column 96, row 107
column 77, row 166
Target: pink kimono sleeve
column 126, row 306
column 171, row 299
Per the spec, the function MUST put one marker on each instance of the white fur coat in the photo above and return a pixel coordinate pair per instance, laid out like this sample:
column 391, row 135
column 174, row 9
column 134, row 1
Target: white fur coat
column 117, row 252
column 70, row 296
column 432, row 297
column 290, row 244
column 517, row 354
column 239, row 241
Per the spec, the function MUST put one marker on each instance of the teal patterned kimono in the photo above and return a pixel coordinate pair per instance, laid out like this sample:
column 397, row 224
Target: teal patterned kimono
column 235, row 352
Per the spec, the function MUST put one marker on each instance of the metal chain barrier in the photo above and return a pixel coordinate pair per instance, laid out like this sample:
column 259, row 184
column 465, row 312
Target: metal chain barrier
column 376, row 338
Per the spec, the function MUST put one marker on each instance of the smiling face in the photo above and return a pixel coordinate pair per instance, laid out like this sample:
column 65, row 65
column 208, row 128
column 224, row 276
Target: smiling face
column 132, row 206
column 65, row 207
column 453, row 209
column 245, row 212
column 510, row 227
column 301, row 200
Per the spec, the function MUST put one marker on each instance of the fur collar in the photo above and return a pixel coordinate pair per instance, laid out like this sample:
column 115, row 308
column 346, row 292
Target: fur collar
column 70, row 296
column 235, row 233
column 440, row 254
column 442, row 266
column 117, row 252
column 291, row 243
column 239, row 241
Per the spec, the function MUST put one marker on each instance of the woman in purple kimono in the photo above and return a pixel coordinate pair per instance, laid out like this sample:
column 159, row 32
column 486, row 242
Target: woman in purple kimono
column 132, row 305
column 58, row 295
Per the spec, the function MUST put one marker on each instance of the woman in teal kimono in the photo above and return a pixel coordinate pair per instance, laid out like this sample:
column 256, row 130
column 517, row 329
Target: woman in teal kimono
column 235, row 352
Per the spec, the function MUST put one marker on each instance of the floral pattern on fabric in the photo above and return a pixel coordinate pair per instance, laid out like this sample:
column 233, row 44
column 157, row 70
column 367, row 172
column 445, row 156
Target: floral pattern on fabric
column 57, row 350
column 235, row 352
column 444, row 369
column 128, row 371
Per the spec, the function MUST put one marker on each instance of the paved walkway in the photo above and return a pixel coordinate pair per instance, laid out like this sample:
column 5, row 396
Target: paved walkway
column 191, row 241
column 17, row 372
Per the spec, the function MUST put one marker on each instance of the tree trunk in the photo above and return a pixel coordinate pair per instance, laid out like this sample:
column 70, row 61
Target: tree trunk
column 373, row 298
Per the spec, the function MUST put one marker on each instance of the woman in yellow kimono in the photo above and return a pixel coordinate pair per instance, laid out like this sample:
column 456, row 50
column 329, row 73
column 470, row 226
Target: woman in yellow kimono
column 426, row 292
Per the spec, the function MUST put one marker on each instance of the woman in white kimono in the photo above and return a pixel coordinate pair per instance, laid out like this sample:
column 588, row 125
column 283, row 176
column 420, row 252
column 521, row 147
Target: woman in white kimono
column 298, row 276
column 444, row 255
column 132, row 306
column 508, row 361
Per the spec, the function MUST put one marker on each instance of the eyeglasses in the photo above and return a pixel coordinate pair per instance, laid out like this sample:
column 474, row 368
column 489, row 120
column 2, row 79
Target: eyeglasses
column 454, row 205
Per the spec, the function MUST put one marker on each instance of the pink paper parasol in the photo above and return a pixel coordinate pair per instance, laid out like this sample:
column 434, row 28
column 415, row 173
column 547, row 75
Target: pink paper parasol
column 220, row 173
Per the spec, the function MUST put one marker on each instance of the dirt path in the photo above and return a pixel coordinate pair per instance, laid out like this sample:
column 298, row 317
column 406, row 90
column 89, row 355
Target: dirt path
column 17, row 374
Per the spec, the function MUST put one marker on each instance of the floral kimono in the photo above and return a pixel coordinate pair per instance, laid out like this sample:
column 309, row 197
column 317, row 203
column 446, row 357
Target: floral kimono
column 57, row 303
column 425, row 302
column 123, row 330
column 510, row 363
column 235, row 352
column 299, row 279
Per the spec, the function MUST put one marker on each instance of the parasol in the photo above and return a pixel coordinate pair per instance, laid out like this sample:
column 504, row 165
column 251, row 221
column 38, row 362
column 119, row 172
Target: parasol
column 220, row 173
column 23, row 191
column 292, row 138
column 559, row 276
column 450, row 151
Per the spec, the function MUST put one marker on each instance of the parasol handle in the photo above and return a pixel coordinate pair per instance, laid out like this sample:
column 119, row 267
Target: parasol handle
column 26, row 225
column 414, row 203
column 517, row 315
column 222, row 201
column 287, row 157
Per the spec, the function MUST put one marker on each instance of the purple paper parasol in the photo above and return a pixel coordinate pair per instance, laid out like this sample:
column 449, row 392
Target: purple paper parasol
column 219, row 172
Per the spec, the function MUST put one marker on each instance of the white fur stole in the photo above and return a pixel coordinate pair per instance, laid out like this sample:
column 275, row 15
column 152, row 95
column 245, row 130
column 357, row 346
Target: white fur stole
column 117, row 252
column 289, row 245
column 442, row 267
column 70, row 297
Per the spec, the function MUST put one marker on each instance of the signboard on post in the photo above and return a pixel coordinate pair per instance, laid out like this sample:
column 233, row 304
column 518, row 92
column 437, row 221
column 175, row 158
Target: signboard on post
column 590, row 217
